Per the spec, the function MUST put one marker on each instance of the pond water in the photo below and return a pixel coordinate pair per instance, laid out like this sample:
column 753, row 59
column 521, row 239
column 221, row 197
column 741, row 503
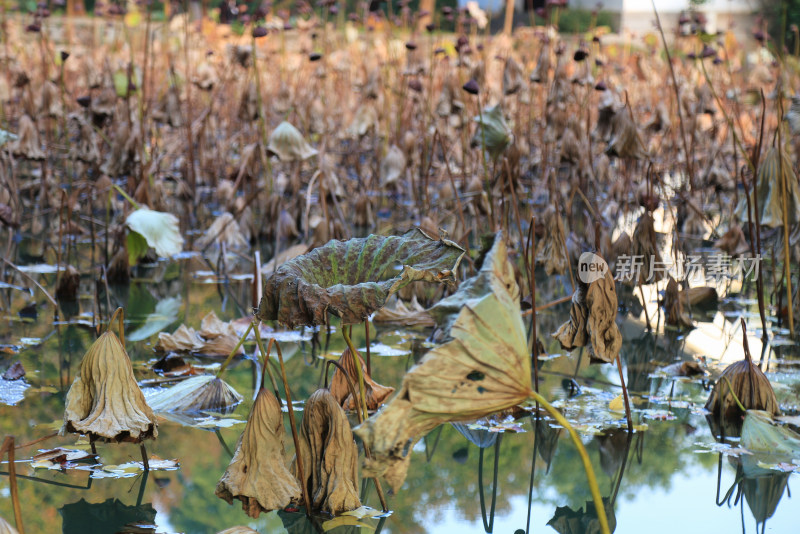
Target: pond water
column 669, row 476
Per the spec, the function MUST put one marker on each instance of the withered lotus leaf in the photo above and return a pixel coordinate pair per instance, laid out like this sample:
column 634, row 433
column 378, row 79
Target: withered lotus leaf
column 568, row 521
column 329, row 455
column 257, row 474
column 27, row 145
column 351, row 279
column 592, row 320
column 674, row 306
column 375, row 393
column 215, row 338
column 750, row 386
column 496, row 274
column 551, row 250
column 410, row 315
column 105, row 401
column 483, row 369
column 645, row 246
column 195, row 394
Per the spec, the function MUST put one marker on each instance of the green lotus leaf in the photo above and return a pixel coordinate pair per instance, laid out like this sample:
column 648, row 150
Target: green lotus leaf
column 352, row 279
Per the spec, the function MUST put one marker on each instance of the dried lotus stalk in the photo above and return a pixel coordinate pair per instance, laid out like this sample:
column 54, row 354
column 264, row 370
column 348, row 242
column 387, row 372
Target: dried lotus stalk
column 257, row 474
column 551, row 250
column 375, row 393
column 105, row 401
column 592, row 320
column 329, row 455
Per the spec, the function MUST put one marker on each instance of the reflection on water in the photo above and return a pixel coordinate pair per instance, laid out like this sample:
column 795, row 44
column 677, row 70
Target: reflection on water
column 463, row 478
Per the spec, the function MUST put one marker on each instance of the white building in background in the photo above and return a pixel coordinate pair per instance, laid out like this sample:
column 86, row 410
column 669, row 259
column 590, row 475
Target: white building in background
column 636, row 16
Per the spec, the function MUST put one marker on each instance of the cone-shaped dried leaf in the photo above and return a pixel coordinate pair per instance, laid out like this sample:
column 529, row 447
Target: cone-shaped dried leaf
column 105, row 401
column 485, row 368
column 351, row 279
column 496, row 275
column 257, row 474
column 288, row 143
column 760, row 433
column 592, row 320
column 645, row 246
column 27, row 145
column 551, row 249
column 329, row 455
column 215, row 338
column 393, row 166
column 199, row 393
column 673, row 305
column 750, row 386
column 512, row 77
column 568, row 521
column 375, row 393
column 762, row 488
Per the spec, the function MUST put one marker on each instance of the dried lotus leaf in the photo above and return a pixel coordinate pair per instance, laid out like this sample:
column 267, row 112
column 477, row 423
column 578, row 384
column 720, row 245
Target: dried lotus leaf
column 483, row 369
column 592, row 319
column 375, row 393
column 329, row 455
column 6, row 528
column 551, row 249
column 673, row 306
column 27, row 145
column 749, row 385
column 257, row 474
column 351, row 279
column 105, row 401
column 288, row 143
column 195, row 394
column 645, row 246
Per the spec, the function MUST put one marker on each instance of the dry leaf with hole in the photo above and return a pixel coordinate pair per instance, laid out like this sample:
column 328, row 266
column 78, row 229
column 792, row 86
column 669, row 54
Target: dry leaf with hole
column 105, row 401
column 257, row 474
column 483, row 369
column 375, row 393
column 329, row 455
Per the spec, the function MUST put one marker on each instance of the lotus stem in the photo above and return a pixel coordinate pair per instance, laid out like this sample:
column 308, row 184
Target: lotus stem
column 625, row 395
column 8, row 447
column 126, row 196
column 362, row 390
column 265, row 357
column 786, row 250
column 534, row 344
column 730, row 387
column 292, row 423
column 235, row 350
column 119, row 314
column 145, row 460
column 587, row 464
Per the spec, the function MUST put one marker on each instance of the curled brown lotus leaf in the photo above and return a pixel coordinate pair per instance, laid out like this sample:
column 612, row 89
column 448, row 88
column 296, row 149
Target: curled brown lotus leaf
column 27, row 144
column 512, row 77
column 483, row 369
column 329, row 455
column 699, row 296
column 551, row 249
column 749, row 385
column 375, row 393
column 105, row 401
column 68, row 284
column 83, row 146
column 644, row 246
column 215, row 338
column 673, row 305
column 592, row 320
column 195, row 394
column 223, row 231
column 351, row 279
column 257, row 474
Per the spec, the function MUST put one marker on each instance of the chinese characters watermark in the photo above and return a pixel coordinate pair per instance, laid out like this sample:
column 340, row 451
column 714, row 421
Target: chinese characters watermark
column 716, row 268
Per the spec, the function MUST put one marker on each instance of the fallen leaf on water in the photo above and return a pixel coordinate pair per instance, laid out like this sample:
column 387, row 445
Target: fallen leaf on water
column 617, row 405
column 57, row 457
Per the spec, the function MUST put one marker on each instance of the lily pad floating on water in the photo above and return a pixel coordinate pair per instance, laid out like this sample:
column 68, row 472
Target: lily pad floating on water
column 196, row 394
column 351, row 279
column 257, row 475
